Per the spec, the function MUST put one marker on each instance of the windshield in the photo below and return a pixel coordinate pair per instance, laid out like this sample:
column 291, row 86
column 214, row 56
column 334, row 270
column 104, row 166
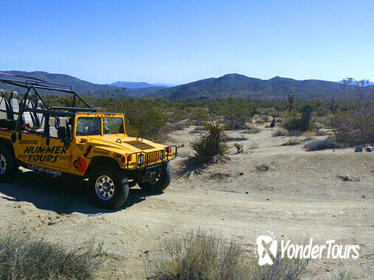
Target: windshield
column 113, row 125
column 88, row 126
column 92, row 126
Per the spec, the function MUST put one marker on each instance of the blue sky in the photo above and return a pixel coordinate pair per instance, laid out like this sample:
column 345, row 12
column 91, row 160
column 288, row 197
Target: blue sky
column 181, row 41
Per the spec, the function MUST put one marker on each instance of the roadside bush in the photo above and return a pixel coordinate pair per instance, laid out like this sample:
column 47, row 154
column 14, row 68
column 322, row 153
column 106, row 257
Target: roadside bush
column 354, row 127
column 292, row 123
column 211, row 144
column 23, row 257
column 280, row 132
column 203, row 256
column 321, row 144
column 236, row 117
column 199, row 256
column 147, row 123
column 303, row 123
column 252, row 130
column 199, row 116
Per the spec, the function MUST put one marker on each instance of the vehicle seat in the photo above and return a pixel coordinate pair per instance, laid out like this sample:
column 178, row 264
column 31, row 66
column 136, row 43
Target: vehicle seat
column 4, row 106
column 14, row 105
column 40, row 116
column 52, row 127
column 29, row 117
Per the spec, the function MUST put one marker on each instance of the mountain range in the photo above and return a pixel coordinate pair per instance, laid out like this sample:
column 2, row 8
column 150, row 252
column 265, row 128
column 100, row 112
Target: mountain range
column 240, row 86
column 230, row 85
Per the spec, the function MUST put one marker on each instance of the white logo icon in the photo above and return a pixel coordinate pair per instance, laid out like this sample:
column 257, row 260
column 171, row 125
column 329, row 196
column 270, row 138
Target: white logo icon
column 267, row 248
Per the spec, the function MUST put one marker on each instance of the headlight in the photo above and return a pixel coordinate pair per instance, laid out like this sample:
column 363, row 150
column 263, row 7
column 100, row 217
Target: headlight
column 140, row 159
column 162, row 155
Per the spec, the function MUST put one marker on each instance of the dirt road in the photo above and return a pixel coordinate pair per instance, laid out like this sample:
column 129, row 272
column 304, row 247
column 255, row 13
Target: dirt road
column 300, row 195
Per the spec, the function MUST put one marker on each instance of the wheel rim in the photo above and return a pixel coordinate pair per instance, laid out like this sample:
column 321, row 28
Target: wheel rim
column 104, row 187
column 155, row 179
column 2, row 164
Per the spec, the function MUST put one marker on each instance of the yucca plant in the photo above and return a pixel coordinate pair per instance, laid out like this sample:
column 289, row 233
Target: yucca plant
column 211, row 144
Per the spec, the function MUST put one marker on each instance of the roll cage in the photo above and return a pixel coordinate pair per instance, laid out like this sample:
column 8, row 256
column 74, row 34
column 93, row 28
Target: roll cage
column 34, row 88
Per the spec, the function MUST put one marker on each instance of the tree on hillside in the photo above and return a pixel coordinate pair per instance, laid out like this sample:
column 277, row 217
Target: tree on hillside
column 291, row 100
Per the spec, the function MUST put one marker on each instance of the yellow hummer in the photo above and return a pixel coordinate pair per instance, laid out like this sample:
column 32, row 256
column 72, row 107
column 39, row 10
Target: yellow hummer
column 78, row 141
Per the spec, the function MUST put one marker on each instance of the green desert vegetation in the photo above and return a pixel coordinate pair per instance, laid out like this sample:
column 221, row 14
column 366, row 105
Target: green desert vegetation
column 210, row 144
column 204, row 256
column 23, row 257
column 351, row 122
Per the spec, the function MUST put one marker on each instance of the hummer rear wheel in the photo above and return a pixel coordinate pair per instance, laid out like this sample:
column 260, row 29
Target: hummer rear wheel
column 8, row 165
column 108, row 186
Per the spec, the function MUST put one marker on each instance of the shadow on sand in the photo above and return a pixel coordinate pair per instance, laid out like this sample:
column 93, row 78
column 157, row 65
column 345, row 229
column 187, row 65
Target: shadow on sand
column 62, row 195
column 190, row 167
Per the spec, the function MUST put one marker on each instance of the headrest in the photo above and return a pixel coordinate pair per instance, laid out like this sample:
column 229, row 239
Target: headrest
column 2, row 93
column 14, row 94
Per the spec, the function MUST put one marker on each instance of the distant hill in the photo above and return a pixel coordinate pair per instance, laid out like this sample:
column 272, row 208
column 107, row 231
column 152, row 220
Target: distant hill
column 80, row 86
column 138, row 85
column 131, row 85
column 230, row 85
column 137, row 89
column 138, row 92
column 240, row 86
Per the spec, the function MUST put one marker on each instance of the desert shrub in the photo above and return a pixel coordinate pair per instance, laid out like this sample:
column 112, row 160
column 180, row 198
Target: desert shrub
column 203, row 256
column 237, row 116
column 147, row 122
column 341, row 275
column 291, row 142
column 281, row 269
column 280, row 132
column 23, row 257
column 199, row 256
column 210, row 144
column 321, row 144
column 292, row 123
column 252, row 130
column 354, row 127
column 302, row 124
column 199, row 116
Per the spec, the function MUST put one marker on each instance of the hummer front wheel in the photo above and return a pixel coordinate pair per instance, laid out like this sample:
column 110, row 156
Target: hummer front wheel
column 158, row 183
column 108, row 186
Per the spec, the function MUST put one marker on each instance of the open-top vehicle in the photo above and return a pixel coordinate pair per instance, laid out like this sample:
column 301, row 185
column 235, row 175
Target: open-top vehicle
column 78, row 141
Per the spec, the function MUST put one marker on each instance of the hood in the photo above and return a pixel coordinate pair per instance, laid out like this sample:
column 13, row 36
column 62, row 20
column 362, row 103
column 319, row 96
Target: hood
column 119, row 143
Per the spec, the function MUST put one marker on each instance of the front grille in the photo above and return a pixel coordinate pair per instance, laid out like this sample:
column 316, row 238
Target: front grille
column 153, row 157
column 140, row 145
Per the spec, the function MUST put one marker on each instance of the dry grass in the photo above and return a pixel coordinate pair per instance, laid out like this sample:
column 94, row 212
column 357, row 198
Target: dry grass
column 23, row 257
column 321, row 144
column 203, row 256
column 280, row 132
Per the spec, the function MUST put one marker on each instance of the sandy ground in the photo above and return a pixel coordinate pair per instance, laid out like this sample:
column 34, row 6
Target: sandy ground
column 299, row 197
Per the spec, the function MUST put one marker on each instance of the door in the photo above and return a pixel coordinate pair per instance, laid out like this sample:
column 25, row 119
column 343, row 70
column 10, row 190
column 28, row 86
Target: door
column 35, row 151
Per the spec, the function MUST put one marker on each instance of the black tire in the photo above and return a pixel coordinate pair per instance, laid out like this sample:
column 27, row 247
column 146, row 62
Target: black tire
column 161, row 184
column 8, row 161
column 108, row 186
